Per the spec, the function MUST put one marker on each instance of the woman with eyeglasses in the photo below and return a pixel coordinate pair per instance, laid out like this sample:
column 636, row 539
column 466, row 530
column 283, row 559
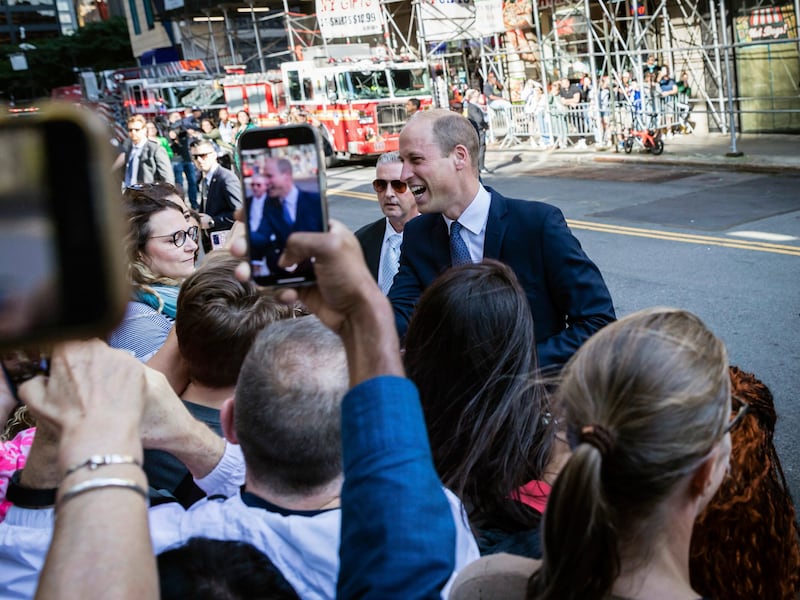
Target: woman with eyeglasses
column 162, row 249
column 646, row 406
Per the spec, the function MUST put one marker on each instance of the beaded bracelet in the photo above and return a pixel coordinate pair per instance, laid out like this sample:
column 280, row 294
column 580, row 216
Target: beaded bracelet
column 102, row 483
column 96, row 461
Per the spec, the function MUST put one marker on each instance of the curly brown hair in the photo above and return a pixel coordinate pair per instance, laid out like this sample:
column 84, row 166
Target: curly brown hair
column 745, row 544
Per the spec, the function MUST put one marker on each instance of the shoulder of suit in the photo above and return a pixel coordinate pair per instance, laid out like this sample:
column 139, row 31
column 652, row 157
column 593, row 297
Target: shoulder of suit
column 371, row 227
column 422, row 223
column 521, row 213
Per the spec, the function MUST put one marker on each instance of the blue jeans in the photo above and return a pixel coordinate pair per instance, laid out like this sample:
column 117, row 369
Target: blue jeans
column 179, row 168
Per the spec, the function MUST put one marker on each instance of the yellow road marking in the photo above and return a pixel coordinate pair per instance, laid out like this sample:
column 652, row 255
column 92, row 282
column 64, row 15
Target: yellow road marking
column 687, row 238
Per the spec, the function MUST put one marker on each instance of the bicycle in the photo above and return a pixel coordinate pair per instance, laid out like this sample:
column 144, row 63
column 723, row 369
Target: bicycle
column 647, row 139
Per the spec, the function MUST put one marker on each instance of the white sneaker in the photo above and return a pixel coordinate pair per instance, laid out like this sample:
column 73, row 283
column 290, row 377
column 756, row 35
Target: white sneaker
column 581, row 143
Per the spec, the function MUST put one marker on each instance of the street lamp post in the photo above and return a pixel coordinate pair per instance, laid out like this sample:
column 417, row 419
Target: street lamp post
column 27, row 47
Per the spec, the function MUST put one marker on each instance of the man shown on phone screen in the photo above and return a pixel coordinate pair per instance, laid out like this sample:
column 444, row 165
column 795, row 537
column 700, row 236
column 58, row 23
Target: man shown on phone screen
column 286, row 209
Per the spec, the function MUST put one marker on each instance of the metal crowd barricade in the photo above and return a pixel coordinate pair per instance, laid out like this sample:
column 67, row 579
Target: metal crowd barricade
column 568, row 125
column 563, row 126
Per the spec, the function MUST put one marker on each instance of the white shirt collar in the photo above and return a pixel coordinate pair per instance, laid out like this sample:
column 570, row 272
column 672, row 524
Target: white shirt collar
column 291, row 202
column 476, row 214
column 210, row 174
column 389, row 231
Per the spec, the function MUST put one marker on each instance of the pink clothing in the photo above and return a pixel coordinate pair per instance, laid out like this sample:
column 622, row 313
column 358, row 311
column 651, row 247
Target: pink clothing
column 13, row 455
column 534, row 494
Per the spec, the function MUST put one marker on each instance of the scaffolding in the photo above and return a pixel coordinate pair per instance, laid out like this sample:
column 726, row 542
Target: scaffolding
column 560, row 38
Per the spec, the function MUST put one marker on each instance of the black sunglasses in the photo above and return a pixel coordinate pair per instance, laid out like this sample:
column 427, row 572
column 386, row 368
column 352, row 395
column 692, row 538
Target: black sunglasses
column 201, row 155
column 379, row 185
column 179, row 237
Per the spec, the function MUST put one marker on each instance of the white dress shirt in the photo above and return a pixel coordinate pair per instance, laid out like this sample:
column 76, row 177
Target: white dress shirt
column 474, row 220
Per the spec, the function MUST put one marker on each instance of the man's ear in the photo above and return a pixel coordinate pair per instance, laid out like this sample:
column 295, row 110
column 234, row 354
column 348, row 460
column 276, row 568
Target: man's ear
column 461, row 156
column 226, row 418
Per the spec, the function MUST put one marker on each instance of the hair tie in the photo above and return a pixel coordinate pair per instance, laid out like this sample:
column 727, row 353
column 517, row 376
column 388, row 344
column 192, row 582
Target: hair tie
column 599, row 437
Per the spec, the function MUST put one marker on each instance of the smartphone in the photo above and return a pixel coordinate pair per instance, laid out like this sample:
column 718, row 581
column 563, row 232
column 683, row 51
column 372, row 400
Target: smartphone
column 218, row 239
column 283, row 175
column 62, row 264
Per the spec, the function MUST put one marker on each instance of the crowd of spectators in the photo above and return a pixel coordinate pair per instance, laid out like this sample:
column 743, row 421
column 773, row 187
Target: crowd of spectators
column 465, row 418
column 577, row 110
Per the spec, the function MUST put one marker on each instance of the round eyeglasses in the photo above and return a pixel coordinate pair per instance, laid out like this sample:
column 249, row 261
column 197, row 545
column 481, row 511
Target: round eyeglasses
column 179, row 237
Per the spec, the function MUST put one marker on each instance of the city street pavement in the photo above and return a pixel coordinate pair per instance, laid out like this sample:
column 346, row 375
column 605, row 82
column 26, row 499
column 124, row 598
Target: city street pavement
column 761, row 153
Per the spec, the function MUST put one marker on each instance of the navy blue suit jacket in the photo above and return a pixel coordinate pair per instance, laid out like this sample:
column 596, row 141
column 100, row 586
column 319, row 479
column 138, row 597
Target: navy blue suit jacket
column 270, row 238
column 567, row 295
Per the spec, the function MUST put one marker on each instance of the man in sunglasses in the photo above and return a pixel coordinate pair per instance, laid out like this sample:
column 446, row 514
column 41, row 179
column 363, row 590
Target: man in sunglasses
column 220, row 190
column 463, row 222
column 381, row 240
column 145, row 160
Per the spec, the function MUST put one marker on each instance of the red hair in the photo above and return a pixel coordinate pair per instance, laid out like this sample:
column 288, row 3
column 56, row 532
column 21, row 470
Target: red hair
column 745, row 543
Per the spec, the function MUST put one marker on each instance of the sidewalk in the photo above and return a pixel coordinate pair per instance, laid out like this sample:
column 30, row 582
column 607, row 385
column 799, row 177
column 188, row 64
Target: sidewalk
column 762, row 153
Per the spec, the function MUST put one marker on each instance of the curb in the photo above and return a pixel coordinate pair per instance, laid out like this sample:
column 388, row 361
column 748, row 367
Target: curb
column 744, row 164
column 739, row 164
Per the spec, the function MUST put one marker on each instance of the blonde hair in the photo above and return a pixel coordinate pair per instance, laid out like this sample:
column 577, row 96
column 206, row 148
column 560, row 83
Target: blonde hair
column 141, row 202
column 656, row 385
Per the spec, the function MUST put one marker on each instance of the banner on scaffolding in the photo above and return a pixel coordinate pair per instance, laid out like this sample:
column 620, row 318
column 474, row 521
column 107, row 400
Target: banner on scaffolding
column 348, row 18
column 767, row 24
column 444, row 20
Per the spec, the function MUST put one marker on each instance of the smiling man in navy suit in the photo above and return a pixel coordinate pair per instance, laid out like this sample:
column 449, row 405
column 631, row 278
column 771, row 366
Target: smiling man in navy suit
column 567, row 295
column 287, row 209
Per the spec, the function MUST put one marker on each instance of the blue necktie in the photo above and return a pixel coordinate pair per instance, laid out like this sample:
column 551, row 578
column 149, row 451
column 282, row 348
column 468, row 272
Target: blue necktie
column 459, row 253
column 287, row 216
column 129, row 177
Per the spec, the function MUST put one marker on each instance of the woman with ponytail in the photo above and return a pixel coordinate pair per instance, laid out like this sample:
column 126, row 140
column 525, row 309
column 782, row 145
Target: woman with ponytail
column 646, row 407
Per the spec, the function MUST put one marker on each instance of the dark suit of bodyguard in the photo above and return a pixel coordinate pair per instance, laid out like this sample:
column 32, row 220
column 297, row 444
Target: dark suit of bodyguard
column 567, row 295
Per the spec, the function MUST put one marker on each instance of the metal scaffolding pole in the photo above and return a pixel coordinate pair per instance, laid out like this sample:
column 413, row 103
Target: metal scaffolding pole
column 229, row 33
column 213, row 41
column 728, row 82
column 257, row 36
column 718, row 65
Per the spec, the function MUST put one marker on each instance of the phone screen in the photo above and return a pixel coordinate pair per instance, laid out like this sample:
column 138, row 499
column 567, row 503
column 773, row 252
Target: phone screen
column 284, row 183
column 29, row 265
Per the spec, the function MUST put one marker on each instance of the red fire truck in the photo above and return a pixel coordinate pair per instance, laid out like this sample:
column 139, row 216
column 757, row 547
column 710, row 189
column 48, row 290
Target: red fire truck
column 163, row 88
column 260, row 94
column 359, row 100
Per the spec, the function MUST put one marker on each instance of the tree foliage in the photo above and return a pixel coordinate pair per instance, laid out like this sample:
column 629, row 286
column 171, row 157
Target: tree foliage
column 97, row 46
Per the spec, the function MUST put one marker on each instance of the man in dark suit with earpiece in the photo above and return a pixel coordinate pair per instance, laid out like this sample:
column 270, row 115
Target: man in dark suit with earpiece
column 220, row 191
column 381, row 239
